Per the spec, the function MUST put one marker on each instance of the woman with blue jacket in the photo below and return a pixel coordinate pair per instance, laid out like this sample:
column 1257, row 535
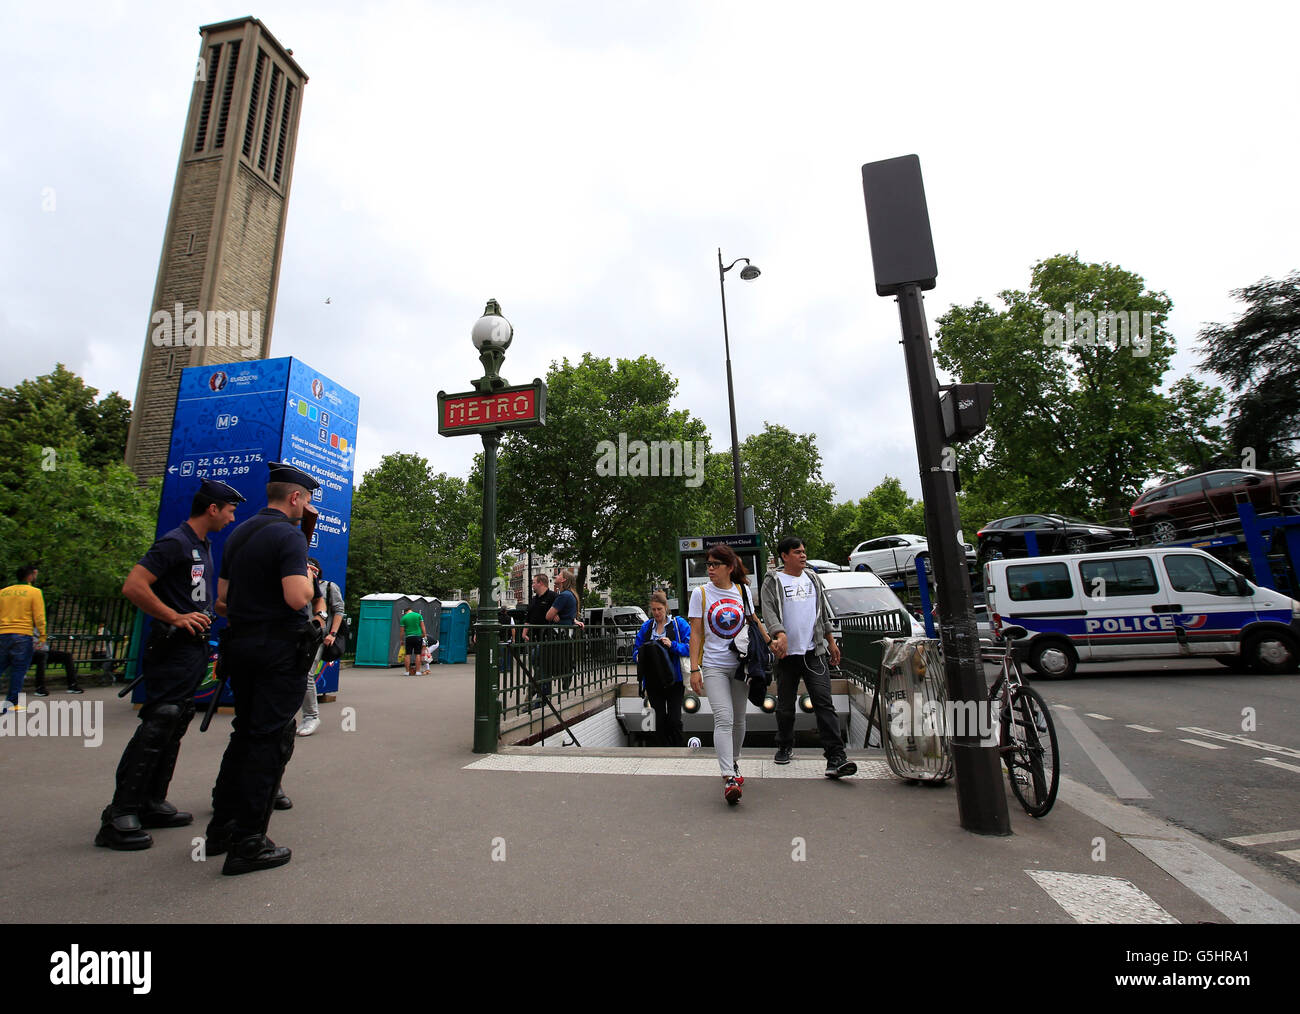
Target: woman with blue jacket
column 675, row 637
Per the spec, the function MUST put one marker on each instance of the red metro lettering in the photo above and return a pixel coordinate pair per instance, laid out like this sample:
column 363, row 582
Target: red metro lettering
column 1129, row 624
column 487, row 409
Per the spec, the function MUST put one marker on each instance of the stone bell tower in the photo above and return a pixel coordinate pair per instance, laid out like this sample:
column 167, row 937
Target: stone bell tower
column 214, row 298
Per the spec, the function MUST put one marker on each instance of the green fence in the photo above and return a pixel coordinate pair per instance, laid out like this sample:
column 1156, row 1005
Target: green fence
column 552, row 664
column 90, row 632
column 861, row 649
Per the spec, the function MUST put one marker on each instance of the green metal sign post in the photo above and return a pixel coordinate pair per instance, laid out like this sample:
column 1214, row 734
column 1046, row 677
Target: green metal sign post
column 493, row 406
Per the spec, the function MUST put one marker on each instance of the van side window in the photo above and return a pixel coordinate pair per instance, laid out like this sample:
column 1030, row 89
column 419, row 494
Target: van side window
column 1039, row 581
column 1131, row 576
column 1197, row 574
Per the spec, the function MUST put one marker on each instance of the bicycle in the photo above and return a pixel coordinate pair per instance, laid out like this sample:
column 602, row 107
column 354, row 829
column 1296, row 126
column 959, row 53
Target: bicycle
column 1026, row 735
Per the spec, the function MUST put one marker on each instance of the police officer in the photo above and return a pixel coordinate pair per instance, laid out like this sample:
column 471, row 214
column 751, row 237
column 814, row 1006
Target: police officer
column 265, row 591
column 175, row 584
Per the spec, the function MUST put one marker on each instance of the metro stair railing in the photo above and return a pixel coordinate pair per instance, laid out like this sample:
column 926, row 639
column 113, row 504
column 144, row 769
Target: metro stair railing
column 554, row 662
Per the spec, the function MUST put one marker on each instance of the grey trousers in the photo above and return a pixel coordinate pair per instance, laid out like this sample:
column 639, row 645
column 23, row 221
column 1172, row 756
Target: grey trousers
column 309, row 707
column 728, row 698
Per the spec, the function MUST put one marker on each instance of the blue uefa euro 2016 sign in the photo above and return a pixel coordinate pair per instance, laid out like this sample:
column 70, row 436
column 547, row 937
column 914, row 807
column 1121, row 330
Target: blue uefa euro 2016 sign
column 233, row 418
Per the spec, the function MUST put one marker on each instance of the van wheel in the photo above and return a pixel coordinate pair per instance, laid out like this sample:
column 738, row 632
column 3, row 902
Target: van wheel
column 1271, row 652
column 1052, row 659
column 862, row 568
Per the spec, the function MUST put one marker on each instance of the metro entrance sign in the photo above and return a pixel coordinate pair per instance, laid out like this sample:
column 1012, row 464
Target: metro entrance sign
column 506, row 408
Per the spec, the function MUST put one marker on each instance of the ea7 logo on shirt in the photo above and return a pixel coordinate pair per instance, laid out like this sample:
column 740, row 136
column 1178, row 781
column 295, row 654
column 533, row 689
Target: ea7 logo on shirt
column 102, row 968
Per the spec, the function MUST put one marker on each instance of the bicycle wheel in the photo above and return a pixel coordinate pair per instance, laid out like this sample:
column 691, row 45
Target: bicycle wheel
column 1030, row 751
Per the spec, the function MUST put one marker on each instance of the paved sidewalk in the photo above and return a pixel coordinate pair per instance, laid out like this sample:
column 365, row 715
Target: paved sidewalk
column 399, row 821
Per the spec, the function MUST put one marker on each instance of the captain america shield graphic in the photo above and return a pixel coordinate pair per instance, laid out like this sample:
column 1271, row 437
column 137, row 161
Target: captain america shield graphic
column 726, row 617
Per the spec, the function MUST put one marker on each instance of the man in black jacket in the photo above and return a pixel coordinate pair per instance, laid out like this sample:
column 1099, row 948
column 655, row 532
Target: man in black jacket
column 538, row 607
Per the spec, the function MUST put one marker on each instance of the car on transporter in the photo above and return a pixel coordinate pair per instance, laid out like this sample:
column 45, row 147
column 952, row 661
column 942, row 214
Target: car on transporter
column 1179, row 507
column 893, row 554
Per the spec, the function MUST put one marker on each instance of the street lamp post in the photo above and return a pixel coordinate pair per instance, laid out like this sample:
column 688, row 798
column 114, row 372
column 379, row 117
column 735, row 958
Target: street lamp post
column 748, row 273
column 492, row 407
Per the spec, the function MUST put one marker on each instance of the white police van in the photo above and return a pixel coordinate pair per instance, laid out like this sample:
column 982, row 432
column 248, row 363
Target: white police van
column 1142, row 603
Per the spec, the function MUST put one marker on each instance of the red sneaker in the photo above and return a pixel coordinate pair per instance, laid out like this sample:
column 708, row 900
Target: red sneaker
column 731, row 791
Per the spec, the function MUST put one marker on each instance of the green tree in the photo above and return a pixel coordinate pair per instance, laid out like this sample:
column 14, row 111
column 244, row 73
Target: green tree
column 409, row 531
column 1195, row 440
column 1078, row 424
column 558, row 485
column 85, row 526
column 840, row 534
column 1258, row 355
column 59, row 411
column 889, row 510
column 782, row 480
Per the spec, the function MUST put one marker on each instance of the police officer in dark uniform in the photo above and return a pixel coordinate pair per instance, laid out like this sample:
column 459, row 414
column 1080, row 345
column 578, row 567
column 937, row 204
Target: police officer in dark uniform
column 265, row 591
column 175, row 584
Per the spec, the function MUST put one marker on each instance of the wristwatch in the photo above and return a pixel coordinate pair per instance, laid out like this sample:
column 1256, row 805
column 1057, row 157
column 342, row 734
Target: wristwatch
column 697, row 670
column 321, row 614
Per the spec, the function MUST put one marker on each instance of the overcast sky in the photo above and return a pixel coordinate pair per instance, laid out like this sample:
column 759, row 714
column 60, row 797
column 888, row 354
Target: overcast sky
column 582, row 162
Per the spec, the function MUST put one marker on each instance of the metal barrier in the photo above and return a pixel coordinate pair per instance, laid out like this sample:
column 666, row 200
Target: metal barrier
column 555, row 663
column 861, row 646
column 93, row 632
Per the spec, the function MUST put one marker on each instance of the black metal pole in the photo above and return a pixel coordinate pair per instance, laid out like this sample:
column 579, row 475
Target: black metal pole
column 981, row 798
column 731, row 402
column 486, row 689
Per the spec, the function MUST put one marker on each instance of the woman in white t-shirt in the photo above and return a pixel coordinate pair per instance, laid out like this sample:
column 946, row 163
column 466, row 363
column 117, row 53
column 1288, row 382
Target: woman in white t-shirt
column 717, row 613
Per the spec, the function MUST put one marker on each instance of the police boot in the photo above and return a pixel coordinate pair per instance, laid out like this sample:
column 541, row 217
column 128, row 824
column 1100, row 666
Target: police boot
column 121, row 831
column 157, row 811
column 256, row 852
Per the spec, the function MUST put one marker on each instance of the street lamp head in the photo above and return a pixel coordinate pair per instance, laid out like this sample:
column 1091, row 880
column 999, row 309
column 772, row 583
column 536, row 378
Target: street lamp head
column 492, row 331
column 748, row 273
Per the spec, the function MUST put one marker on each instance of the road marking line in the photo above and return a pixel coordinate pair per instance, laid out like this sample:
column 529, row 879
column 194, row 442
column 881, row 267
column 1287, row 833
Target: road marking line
column 1062, row 707
column 1100, row 718
column 1121, row 780
column 1208, row 746
column 669, row 766
column 1142, row 728
column 1275, row 763
column 1285, row 751
column 1228, row 891
column 1293, row 854
column 1091, row 899
column 1265, row 839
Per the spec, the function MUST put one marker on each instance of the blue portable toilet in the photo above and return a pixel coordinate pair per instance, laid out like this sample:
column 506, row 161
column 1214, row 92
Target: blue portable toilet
column 453, row 631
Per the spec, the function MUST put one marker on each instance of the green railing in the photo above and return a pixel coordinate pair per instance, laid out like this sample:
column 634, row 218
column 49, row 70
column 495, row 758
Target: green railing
column 555, row 662
column 92, row 632
column 861, row 649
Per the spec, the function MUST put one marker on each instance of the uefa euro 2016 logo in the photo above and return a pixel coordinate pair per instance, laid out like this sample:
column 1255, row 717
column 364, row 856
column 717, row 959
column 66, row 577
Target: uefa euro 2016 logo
column 317, row 389
column 217, row 381
column 726, row 617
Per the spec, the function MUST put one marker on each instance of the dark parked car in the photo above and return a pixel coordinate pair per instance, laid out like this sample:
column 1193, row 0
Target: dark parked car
column 1055, row 534
column 1180, row 506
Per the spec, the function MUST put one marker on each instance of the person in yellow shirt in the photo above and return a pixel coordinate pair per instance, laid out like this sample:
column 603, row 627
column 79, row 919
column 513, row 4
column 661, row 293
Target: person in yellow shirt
column 22, row 610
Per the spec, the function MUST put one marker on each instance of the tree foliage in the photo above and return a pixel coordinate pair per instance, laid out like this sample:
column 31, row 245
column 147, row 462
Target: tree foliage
column 1077, row 426
column 556, row 492
column 413, row 532
column 1258, row 356
column 782, row 480
column 85, row 526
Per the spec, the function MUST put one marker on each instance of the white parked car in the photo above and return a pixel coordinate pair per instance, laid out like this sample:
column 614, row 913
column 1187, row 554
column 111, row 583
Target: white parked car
column 860, row 592
column 894, row 554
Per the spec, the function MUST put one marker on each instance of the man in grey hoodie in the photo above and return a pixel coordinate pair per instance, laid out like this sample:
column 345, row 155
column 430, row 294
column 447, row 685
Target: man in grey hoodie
column 798, row 619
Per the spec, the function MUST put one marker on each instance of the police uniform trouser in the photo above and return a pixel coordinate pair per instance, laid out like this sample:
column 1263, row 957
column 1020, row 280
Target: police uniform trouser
column 170, row 681
column 266, row 680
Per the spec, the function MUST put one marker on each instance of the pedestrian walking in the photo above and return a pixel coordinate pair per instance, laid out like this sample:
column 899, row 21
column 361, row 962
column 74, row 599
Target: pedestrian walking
column 718, row 611
column 329, row 613
column 673, row 636
column 798, row 618
column 175, row 584
column 415, row 635
column 22, row 632
column 265, row 591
